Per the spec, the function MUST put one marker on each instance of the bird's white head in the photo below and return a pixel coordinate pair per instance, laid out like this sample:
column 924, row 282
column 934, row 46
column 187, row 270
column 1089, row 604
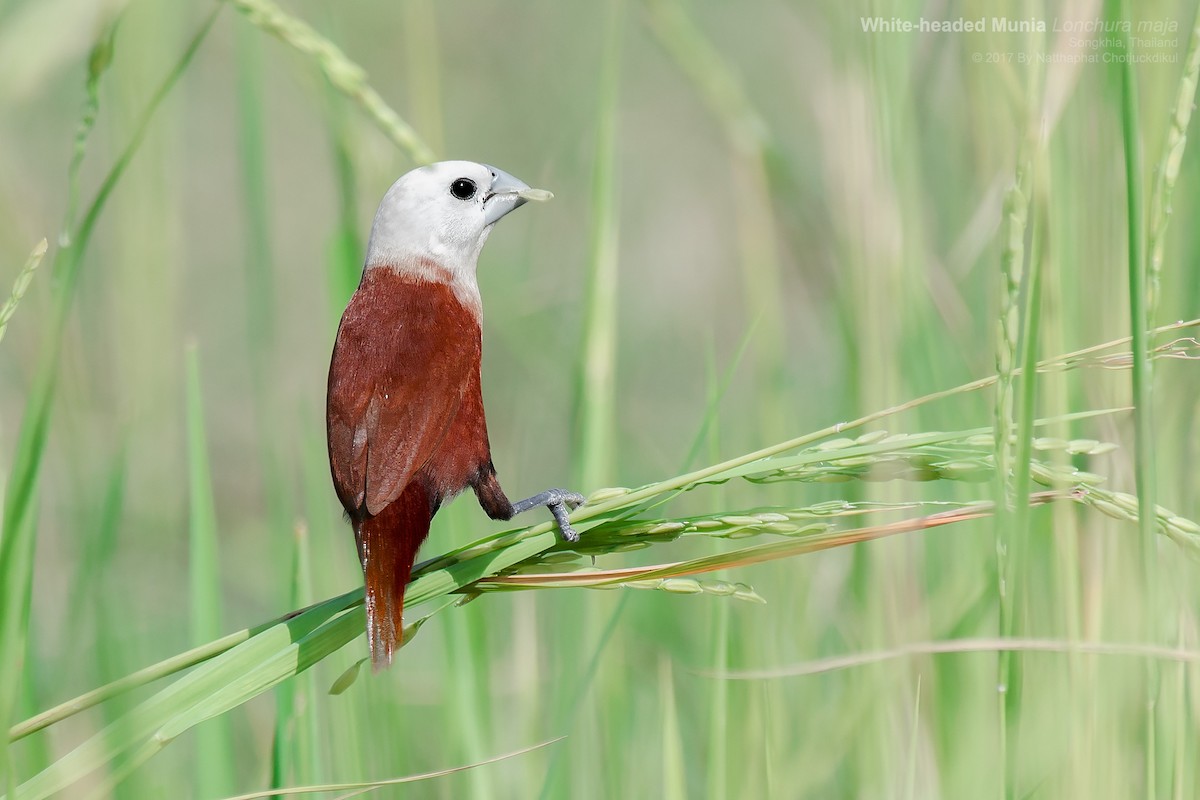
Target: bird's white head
column 443, row 213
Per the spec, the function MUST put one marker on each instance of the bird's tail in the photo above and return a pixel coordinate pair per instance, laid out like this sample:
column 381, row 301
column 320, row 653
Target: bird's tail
column 388, row 544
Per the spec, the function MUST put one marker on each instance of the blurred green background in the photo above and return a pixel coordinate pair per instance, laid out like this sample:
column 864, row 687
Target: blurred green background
column 766, row 221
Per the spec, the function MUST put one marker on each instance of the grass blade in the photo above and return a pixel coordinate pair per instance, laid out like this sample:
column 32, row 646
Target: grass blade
column 257, row 664
column 1143, row 409
column 296, row 751
column 214, row 743
column 247, row 670
column 16, row 587
column 163, row 669
column 673, row 770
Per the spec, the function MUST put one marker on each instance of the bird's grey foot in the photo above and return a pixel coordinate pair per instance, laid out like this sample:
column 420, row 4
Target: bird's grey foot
column 560, row 502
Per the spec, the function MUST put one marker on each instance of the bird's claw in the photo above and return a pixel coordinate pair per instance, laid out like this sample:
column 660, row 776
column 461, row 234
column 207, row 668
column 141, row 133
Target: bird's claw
column 572, row 499
column 560, row 502
column 559, row 510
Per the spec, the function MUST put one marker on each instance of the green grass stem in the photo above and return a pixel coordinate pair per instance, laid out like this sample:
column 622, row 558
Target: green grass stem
column 1142, row 380
column 597, row 378
column 214, row 743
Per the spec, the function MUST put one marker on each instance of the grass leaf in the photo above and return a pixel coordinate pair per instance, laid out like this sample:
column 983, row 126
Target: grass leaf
column 214, row 742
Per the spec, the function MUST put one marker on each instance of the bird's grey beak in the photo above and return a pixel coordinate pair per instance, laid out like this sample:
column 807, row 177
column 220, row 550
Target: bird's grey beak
column 507, row 193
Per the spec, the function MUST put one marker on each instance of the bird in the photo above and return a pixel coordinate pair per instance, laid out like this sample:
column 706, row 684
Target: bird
column 404, row 411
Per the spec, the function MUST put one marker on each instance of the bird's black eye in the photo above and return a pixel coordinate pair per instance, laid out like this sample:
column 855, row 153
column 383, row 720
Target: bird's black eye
column 463, row 188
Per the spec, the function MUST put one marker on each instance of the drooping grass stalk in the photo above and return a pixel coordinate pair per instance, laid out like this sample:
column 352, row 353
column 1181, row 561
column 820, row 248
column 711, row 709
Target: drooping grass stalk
column 214, row 745
column 287, row 649
column 1168, row 171
column 1142, row 378
column 608, row 501
column 489, row 545
column 20, row 286
column 1124, row 506
column 345, row 75
column 810, row 539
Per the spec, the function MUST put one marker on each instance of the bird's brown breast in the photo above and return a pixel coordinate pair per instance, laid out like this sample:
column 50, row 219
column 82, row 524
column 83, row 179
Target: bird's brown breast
column 404, row 401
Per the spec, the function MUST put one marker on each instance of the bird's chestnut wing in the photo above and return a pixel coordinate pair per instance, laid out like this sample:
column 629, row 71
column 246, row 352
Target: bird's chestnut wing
column 401, row 364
